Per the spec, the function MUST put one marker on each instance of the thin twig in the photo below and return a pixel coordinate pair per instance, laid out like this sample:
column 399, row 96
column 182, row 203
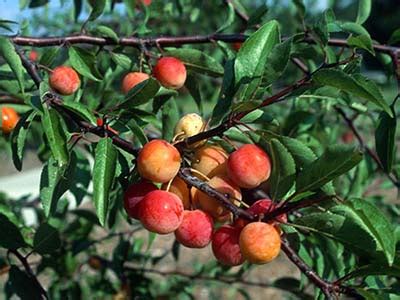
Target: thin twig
column 29, row 271
column 164, row 41
column 368, row 150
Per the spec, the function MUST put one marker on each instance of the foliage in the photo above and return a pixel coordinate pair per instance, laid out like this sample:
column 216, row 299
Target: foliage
column 292, row 88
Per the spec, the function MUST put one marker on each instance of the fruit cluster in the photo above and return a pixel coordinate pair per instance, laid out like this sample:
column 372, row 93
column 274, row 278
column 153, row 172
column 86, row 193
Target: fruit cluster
column 196, row 218
column 169, row 71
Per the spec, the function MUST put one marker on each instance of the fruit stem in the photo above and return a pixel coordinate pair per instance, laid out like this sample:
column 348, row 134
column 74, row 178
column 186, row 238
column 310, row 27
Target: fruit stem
column 200, row 173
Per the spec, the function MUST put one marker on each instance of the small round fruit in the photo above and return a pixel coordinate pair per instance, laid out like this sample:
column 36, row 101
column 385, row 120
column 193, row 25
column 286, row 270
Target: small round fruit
column 64, row 80
column 170, row 72
column 9, row 119
column 190, row 125
column 181, row 189
column 347, row 137
column 95, row 263
column 33, row 55
column 134, row 195
column 195, row 230
column 161, row 212
column 237, row 45
column 249, row 166
column 158, row 161
column 132, row 79
column 260, row 242
column 210, row 205
column 225, row 246
column 261, row 207
column 210, row 160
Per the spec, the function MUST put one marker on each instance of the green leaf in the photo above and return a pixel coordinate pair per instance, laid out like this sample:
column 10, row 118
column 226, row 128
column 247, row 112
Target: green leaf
column 103, row 176
column 77, row 9
column 252, row 57
column 354, row 28
column 141, row 93
column 356, row 224
column 18, row 137
column 48, row 56
column 106, row 32
column 335, row 161
column 37, row 3
column 362, row 42
column 303, row 156
column 170, row 116
column 56, row 137
column 283, row 171
column 137, row 131
column 364, row 10
column 231, row 18
column 54, row 182
column 84, row 62
column 321, row 29
column 81, row 110
column 194, row 89
column 356, row 84
column 8, row 52
column 97, row 9
column 395, row 37
column 377, row 269
column 5, row 24
column 223, row 106
column 278, row 60
column 22, row 285
column 301, row 8
column 122, row 60
column 257, row 15
column 197, row 61
column 10, row 236
column 46, row 239
column 385, row 135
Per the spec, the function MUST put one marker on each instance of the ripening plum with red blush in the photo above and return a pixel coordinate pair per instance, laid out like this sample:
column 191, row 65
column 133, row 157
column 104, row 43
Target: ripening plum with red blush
column 134, row 194
column 161, row 212
column 195, row 230
column 225, row 245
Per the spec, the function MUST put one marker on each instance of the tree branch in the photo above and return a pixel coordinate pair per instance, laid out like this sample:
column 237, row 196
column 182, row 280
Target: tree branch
column 191, row 180
column 164, row 41
column 29, row 272
column 329, row 289
column 184, row 173
column 370, row 152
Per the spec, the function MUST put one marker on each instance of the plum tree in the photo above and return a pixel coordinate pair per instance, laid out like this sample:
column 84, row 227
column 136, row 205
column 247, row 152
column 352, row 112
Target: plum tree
column 158, row 161
column 163, row 117
column 170, row 72
column 64, row 80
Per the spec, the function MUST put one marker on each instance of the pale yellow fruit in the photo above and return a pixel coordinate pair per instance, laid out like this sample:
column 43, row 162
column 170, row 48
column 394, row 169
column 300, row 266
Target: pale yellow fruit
column 190, row 125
